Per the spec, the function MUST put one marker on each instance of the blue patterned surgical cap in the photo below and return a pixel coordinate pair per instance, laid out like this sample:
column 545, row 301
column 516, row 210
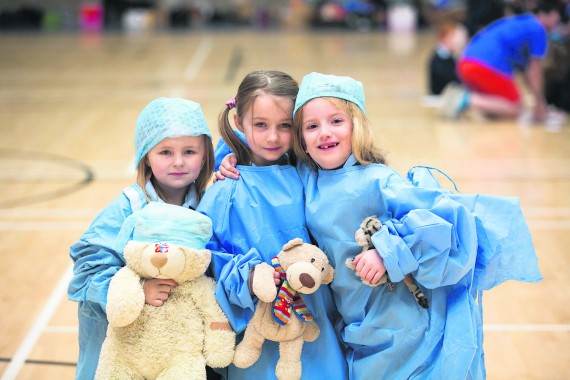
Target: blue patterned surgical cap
column 167, row 223
column 166, row 118
column 317, row 85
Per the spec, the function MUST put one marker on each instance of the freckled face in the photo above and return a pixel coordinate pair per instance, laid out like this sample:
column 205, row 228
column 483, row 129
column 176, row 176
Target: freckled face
column 327, row 132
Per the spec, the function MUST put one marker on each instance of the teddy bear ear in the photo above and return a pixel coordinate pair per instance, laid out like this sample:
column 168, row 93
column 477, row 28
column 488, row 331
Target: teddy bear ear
column 293, row 243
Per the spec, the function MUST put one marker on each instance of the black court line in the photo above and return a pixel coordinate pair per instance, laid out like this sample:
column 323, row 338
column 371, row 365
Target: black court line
column 43, row 362
column 87, row 176
column 234, row 64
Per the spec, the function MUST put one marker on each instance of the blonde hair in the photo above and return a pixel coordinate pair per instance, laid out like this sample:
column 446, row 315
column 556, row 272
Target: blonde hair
column 275, row 83
column 145, row 172
column 363, row 147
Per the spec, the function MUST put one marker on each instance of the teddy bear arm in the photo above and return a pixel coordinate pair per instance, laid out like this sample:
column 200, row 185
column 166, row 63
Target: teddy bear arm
column 203, row 295
column 263, row 285
column 125, row 298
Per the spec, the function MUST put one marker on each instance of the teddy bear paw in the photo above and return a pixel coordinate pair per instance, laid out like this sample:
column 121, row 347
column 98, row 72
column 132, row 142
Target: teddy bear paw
column 245, row 356
column 288, row 371
column 219, row 348
column 349, row 263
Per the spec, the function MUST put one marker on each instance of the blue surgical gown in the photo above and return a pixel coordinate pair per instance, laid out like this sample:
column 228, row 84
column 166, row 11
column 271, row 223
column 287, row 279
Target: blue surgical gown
column 97, row 256
column 252, row 218
column 427, row 233
column 505, row 250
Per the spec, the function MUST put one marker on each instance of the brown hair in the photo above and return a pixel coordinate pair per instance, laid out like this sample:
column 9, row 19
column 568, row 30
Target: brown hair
column 363, row 147
column 444, row 28
column 145, row 173
column 275, row 83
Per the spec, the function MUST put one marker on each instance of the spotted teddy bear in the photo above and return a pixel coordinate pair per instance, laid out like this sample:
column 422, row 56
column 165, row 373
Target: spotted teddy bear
column 363, row 237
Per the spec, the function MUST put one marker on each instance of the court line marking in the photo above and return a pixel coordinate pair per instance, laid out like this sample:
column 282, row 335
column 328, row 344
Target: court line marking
column 54, row 213
column 62, row 329
column 531, row 212
column 554, row 225
column 198, row 59
column 44, row 317
column 44, row 226
column 527, row 327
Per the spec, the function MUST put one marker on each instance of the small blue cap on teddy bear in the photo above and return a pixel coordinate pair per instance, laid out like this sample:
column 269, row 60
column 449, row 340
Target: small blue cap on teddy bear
column 163, row 222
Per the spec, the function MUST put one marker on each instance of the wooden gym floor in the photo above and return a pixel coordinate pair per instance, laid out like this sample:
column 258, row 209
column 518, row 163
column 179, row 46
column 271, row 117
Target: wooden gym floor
column 68, row 105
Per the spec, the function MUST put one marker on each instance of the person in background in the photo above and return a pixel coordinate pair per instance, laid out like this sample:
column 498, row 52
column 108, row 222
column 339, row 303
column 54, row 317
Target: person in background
column 451, row 38
column 492, row 57
column 175, row 161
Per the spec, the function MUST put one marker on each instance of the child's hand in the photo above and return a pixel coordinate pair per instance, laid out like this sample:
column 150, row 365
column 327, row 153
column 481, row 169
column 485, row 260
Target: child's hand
column 369, row 266
column 157, row 290
column 227, row 168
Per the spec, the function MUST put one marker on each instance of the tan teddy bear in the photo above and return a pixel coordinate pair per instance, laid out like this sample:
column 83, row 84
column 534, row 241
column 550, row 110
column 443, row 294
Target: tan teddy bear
column 363, row 237
column 282, row 316
column 189, row 331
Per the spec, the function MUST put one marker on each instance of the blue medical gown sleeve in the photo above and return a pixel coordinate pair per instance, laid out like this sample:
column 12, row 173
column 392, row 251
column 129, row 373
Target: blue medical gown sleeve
column 505, row 250
column 231, row 263
column 222, row 149
column 425, row 233
column 232, row 292
column 96, row 261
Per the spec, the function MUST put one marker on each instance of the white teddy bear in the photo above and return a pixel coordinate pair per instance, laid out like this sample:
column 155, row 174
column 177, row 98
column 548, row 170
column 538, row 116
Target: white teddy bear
column 189, row 331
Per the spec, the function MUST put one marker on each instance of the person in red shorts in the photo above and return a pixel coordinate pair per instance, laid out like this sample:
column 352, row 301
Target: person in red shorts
column 491, row 59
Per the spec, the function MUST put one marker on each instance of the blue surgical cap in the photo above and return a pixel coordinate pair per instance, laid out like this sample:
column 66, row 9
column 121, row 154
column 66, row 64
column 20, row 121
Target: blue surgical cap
column 167, row 223
column 317, row 85
column 166, row 118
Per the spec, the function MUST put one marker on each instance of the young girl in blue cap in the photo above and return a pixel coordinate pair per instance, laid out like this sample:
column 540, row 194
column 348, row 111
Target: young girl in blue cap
column 175, row 160
column 256, row 215
column 453, row 245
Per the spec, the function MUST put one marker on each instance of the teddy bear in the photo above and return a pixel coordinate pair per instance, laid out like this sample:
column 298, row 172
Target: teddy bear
column 281, row 314
column 189, row 331
column 363, row 237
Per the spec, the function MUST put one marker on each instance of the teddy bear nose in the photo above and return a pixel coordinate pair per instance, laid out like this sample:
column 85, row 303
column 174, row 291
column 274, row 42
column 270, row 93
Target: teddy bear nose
column 307, row 280
column 158, row 259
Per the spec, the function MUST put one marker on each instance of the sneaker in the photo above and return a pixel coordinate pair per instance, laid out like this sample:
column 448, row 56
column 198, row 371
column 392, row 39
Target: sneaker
column 555, row 117
column 453, row 101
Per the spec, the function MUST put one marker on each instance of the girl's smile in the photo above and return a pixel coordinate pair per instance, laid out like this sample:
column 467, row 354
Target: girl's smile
column 327, row 132
column 328, row 146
